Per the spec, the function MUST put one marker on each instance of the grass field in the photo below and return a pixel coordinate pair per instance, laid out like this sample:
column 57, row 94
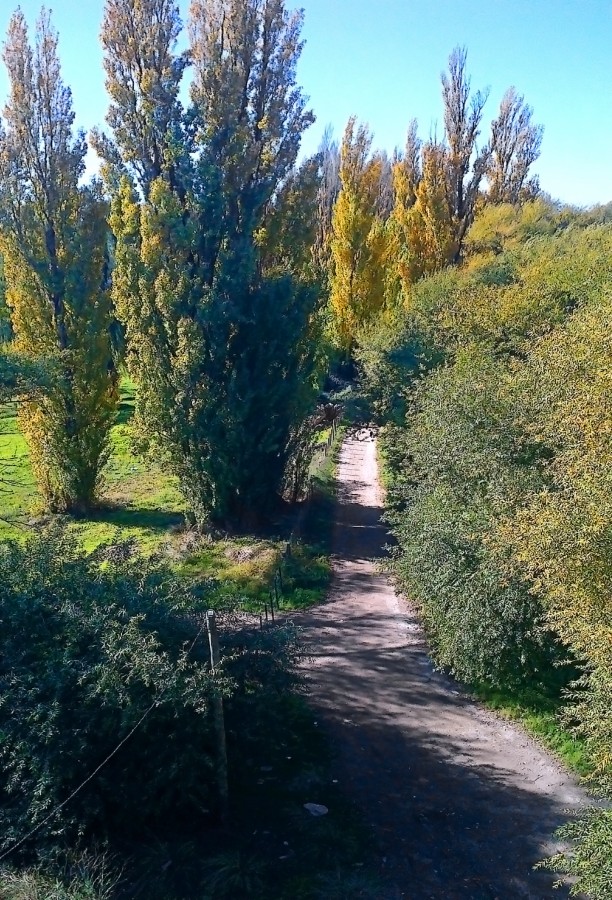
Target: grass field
column 141, row 504
column 17, row 489
column 138, row 501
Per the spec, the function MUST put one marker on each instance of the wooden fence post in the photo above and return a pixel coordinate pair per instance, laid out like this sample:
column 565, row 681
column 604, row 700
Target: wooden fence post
column 219, row 720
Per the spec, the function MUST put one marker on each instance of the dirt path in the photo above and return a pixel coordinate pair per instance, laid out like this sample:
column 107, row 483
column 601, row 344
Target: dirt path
column 462, row 804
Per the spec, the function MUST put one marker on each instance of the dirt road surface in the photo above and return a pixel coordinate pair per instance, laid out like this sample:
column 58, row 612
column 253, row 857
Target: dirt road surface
column 461, row 803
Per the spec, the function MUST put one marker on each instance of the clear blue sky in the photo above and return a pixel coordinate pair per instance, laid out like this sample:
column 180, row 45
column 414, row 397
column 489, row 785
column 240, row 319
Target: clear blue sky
column 381, row 61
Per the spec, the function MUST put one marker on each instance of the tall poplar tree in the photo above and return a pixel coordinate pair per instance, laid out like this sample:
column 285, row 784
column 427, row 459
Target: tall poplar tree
column 218, row 343
column 358, row 240
column 327, row 194
column 515, row 146
column 437, row 183
column 421, row 224
column 53, row 238
column 466, row 164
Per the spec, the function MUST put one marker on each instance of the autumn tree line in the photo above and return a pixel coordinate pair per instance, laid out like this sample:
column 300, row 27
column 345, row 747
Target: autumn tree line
column 228, row 277
column 177, row 263
column 203, row 256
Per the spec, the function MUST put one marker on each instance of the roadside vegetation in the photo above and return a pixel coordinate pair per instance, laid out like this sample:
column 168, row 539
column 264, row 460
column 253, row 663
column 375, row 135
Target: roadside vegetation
column 180, row 337
column 496, row 445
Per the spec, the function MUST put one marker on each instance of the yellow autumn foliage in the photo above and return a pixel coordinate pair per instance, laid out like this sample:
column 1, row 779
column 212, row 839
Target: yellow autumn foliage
column 359, row 242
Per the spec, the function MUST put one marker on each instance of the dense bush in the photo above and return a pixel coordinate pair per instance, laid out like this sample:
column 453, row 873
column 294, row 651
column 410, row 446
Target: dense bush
column 590, row 861
column 97, row 651
column 461, row 468
column 87, row 649
column 500, row 481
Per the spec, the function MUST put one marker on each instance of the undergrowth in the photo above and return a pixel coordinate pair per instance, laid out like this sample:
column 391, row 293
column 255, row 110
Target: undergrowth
column 273, row 847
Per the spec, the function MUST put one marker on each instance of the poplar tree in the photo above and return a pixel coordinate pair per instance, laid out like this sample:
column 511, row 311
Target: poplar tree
column 421, row 224
column 358, row 240
column 217, row 325
column 437, row 183
column 515, row 146
column 288, row 237
column 327, row 194
column 466, row 165
column 53, row 238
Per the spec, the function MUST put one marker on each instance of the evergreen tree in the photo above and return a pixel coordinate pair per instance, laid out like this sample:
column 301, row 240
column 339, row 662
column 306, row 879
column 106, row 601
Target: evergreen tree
column 53, row 238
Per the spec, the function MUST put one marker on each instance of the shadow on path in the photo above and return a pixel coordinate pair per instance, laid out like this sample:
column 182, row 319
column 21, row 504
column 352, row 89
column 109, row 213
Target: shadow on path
column 462, row 804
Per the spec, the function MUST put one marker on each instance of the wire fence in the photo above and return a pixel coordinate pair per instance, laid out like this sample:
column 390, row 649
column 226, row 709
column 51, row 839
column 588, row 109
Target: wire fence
column 268, row 616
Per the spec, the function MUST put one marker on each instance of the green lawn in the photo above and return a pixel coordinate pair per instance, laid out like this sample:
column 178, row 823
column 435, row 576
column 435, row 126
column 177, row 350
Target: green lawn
column 138, row 501
column 18, row 495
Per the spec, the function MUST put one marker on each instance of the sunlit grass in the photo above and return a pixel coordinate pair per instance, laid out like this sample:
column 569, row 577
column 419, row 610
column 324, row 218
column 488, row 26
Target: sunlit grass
column 539, row 713
column 141, row 503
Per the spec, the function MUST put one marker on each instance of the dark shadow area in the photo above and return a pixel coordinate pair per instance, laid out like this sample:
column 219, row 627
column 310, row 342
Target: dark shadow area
column 450, row 824
column 359, row 534
column 136, row 517
column 445, row 830
column 126, row 405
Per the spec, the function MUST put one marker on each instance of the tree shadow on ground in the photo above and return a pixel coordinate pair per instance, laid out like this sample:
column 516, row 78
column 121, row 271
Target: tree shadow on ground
column 137, row 517
column 461, row 804
column 452, row 820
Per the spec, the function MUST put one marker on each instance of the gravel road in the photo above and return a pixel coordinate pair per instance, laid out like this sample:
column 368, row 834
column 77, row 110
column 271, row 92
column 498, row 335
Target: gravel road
column 462, row 804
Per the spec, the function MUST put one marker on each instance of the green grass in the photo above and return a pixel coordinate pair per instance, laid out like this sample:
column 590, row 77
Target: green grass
column 18, row 496
column 140, row 503
column 539, row 711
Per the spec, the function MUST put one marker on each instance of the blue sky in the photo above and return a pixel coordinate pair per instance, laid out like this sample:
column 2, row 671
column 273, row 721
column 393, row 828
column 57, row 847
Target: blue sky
column 381, row 61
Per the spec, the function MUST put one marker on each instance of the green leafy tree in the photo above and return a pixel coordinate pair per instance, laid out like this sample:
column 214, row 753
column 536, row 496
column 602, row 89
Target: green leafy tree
column 500, row 486
column 288, row 235
column 143, row 78
column 53, row 238
column 218, row 318
column 456, row 478
column 562, row 537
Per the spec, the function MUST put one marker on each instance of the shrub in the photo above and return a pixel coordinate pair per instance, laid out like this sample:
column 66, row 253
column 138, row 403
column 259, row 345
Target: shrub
column 96, row 654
